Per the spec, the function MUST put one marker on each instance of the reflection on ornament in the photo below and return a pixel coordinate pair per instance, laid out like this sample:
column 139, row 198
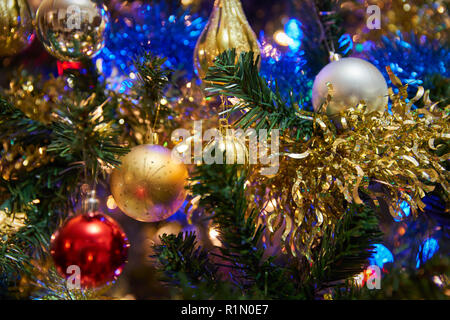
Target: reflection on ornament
column 72, row 30
column 95, row 243
column 227, row 28
column 110, row 203
column 370, row 274
column 353, row 80
column 149, row 185
column 16, row 29
column 439, row 281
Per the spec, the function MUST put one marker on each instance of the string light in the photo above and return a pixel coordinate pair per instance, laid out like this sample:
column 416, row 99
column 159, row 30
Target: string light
column 381, row 255
column 111, row 203
column 282, row 38
column 428, row 248
column 213, row 236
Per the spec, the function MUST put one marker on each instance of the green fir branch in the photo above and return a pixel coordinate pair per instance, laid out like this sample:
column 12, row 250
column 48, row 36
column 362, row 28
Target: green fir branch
column 82, row 135
column 262, row 108
column 221, row 188
column 345, row 248
column 152, row 80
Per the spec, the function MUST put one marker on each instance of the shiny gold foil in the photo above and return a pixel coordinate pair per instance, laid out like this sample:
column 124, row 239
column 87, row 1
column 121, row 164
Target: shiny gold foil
column 372, row 157
column 11, row 223
column 16, row 28
column 227, row 28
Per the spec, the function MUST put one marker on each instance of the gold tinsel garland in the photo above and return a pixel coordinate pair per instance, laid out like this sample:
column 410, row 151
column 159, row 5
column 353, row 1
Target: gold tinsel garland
column 11, row 223
column 389, row 157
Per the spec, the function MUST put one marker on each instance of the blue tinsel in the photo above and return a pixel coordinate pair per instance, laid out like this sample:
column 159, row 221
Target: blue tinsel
column 173, row 35
column 412, row 59
column 151, row 28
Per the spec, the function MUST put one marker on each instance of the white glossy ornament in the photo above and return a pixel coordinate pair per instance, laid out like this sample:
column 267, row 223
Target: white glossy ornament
column 353, row 80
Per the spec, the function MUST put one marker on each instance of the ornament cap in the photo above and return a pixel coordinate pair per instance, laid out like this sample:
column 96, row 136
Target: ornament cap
column 90, row 203
column 151, row 137
column 334, row 56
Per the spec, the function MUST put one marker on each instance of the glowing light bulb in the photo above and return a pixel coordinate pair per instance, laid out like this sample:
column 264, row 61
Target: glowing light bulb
column 111, row 203
column 282, row 38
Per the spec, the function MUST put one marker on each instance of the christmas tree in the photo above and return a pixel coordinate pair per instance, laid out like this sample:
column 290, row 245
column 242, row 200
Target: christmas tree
column 164, row 150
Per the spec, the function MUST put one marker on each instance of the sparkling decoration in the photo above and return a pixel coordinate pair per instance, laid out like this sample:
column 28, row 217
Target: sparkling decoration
column 404, row 211
column 72, row 30
column 144, row 27
column 16, row 29
column 381, row 255
column 288, row 71
column 228, row 147
column 397, row 151
column 428, row 248
column 149, row 185
column 227, row 28
column 35, row 96
column 17, row 160
column 353, row 80
column 95, row 243
column 409, row 57
column 11, row 223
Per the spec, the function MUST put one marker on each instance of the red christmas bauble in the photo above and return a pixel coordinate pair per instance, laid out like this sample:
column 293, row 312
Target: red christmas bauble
column 95, row 243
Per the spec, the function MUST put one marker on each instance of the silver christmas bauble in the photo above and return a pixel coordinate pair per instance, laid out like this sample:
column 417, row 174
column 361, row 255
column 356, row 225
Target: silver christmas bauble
column 353, row 80
column 72, row 30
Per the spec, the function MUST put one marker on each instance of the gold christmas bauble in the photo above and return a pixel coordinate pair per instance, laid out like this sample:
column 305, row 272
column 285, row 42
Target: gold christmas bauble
column 149, row 184
column 16, row 27
column 226, row 148
column 72, row 30
column 227, row 28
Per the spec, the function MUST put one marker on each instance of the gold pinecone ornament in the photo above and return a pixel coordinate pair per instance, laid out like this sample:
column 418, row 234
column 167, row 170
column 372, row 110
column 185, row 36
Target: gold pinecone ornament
column 16, row 27
column 227, row 28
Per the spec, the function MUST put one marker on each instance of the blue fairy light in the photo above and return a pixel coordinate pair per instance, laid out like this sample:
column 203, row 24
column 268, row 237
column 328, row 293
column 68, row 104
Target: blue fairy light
column 429, row 247
column 404, row 205
column 149, row 28
column 287, row 71
column 345, row 43
column 293, row 29
column 381, row 255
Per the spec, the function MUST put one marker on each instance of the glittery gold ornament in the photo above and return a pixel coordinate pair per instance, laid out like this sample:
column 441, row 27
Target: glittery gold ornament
column 72, row 30
column 227, row 147
column 16, row 29
column 149, row 184
column 353, row 80
column 227, row 28
column 388, row 157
